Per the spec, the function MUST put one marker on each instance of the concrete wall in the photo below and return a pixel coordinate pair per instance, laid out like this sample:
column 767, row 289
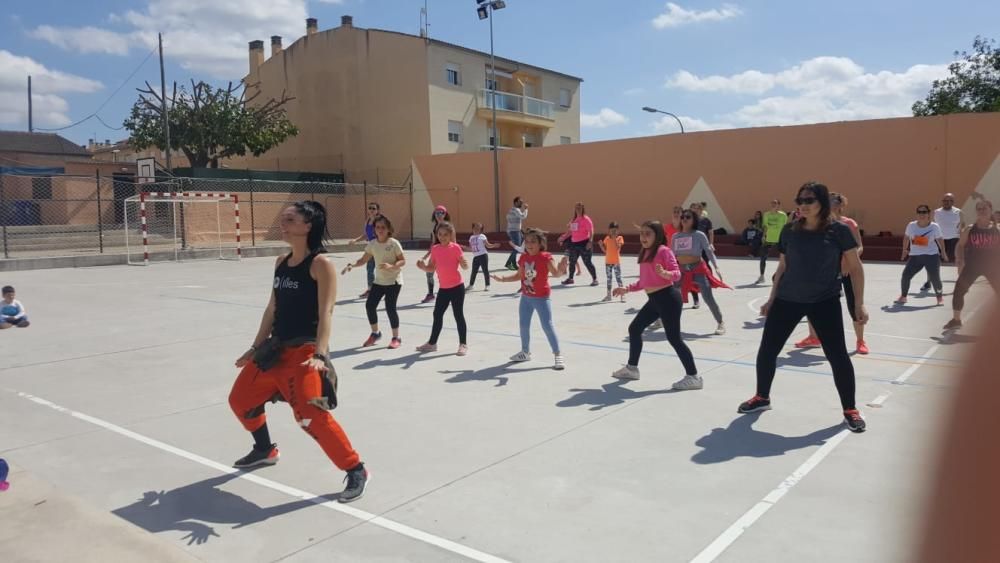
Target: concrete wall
column 885, row 167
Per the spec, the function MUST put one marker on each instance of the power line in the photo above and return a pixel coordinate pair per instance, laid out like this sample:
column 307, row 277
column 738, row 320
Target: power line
column 108, row 99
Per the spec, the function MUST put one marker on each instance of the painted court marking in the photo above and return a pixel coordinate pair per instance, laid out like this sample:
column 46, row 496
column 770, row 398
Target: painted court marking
column 743, row 523
column 367, row 517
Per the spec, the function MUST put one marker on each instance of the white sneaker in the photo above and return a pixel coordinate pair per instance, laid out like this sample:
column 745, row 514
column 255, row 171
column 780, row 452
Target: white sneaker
column 521, row 356
column 606, row 299
column 657, row 325
column 696, row 305
column 626, row 372
column 559, row 364
column 760, row 280
column 689, row 383
column 721, row 329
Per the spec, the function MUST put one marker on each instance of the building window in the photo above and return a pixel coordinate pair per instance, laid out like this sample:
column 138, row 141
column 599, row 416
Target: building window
column 41, row 188
column 565, row 141
column 489, row 84
column 565, row 97
column 455, row 131
column 453, row 74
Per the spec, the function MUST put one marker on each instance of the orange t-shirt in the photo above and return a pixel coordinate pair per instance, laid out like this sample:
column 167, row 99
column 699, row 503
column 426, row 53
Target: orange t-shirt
column 612, row 254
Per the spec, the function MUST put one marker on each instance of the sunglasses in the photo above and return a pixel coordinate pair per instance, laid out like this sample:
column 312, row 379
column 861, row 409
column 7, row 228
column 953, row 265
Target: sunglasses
column 687, row 216
column 805, row 200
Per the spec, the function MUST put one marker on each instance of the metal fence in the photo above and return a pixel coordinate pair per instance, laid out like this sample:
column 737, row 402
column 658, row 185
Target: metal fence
column 78, row 215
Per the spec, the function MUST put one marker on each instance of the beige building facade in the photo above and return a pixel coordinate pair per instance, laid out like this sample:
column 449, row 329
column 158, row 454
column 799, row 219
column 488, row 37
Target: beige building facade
column 368, row 101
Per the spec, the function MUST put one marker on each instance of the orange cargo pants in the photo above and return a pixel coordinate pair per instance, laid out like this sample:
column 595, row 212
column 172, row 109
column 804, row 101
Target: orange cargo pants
column 298, row 384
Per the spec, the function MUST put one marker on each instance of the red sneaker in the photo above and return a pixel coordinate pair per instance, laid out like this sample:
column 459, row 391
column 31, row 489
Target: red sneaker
column 372, row 339
column 862, row 347
column 808, row 342
column 395, row 342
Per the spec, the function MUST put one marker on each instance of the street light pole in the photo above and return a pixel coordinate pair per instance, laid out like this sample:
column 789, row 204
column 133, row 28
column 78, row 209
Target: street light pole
column 654, row 110
column 493, row 102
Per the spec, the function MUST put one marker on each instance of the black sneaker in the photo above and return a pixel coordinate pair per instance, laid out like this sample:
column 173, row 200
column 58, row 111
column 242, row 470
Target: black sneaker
column 854, row 421
column 755, row 404
column 257, row 457
column 357, row 479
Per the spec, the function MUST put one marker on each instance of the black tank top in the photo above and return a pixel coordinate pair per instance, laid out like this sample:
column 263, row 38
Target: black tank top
column 296, row 294
column 982, row 244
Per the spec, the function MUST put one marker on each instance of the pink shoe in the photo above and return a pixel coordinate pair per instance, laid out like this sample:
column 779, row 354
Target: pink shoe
column 808, row 342
column 462, row 350
column 428, row 298
column 427, row 347
column 395, row 343
column 862, row 347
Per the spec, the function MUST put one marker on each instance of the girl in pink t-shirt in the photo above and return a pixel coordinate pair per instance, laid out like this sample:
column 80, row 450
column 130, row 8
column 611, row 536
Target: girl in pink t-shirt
column 580, row 243
column 658, row 271
column 446, row 259
column 533, row 270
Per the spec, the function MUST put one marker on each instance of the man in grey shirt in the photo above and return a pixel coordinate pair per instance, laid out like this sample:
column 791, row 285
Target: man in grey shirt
column 515, row 220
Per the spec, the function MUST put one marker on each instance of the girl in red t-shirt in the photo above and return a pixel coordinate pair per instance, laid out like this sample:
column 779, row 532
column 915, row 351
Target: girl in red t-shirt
column 533, row 270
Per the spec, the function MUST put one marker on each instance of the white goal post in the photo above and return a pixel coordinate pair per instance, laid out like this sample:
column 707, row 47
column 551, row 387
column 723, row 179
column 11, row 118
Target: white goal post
column 181, row 226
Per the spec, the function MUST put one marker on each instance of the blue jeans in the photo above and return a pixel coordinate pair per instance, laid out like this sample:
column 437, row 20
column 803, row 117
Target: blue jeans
column 517, row 238
column 527, row 308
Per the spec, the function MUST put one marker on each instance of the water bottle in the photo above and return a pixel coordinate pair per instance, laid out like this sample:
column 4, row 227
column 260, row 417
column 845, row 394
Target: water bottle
column 4, row 485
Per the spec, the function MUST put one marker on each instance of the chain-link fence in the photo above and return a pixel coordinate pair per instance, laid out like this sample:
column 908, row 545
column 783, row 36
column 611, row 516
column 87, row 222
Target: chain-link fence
column 77, row 215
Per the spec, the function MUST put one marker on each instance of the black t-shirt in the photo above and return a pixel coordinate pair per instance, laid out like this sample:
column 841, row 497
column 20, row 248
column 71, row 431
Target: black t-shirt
column 705, row 226
column 812, row 262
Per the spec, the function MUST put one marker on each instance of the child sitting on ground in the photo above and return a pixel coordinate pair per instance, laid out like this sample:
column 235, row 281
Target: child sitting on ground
column 11, row 311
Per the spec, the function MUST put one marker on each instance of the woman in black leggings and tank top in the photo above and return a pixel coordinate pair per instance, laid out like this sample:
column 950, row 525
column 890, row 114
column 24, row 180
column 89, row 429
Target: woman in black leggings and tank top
column 976, row 255
column 807, row 284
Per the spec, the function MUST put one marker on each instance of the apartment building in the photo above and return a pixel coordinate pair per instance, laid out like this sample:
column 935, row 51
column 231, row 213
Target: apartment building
column 367, row 101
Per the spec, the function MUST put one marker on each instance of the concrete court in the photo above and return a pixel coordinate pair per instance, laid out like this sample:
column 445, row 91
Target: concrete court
column 117, row 396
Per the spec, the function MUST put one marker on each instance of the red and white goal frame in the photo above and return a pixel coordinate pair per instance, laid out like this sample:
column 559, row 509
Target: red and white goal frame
column 142, row 199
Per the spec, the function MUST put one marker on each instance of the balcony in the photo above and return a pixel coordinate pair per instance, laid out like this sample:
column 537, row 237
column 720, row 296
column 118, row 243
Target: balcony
column 515, row 108
column 499, row 147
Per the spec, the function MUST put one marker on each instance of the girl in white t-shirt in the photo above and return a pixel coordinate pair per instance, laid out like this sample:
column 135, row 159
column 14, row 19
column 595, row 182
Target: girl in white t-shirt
column 923, row 243
column 387, row 255
column 478, row 245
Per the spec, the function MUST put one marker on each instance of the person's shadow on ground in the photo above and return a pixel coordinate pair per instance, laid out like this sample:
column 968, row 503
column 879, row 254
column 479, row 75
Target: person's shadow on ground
column 740, row 439
column 499, row 373
column 609, row 395
column 193, row 507
column 798, row 357
column 404, row 362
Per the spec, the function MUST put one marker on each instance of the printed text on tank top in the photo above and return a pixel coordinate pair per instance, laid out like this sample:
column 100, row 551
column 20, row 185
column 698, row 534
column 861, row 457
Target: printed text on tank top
column 981, row 242
column 296, row 295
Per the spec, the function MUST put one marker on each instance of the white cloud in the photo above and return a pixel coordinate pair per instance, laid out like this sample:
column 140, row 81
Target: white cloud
column 50, row 109
column 83, row 39
column 634, row 91
column 676, row 15
column 817, row 90
column 607, row 117
column 666, row 124
column 204, row 37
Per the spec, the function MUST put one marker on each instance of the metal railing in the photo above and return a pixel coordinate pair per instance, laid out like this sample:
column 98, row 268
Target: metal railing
column 78, row 215
column 515, row 103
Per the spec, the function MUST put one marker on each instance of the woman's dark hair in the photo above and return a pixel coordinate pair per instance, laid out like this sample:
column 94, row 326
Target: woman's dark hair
column 517, row 200
column 314, row 213
column 924, row 206
column 822, row 195
column 480, row 225
column 659, row 239
column 539, row 234
column 385, row 221
column 7, row 289
column 583, row 209
column 694, row 221
column 613, row 225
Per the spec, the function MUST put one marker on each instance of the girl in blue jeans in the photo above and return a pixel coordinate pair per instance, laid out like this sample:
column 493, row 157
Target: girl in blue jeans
column 533, row 270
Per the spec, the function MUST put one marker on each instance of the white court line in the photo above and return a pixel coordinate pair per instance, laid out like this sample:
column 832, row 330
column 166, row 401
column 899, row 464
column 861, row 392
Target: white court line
column 367, row 517
column 867, row 333
column 733, row 532
column 752, row 305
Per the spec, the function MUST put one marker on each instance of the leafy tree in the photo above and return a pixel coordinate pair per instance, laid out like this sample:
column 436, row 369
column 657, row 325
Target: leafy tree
column 209, row 123
column 973, row 85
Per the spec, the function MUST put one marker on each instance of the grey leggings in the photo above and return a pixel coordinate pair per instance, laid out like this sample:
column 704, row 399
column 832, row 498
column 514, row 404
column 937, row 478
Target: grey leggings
column 916, row 263
column 706, row 291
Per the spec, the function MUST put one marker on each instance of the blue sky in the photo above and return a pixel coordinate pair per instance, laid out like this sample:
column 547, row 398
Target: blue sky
column 715, row 64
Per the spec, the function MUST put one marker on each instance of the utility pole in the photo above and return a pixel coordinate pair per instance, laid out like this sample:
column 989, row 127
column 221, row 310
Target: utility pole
column 31, row 126
column 496, row 141
column 163, row 111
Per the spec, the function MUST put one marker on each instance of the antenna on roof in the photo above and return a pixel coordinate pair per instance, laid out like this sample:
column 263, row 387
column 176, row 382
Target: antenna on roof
column 424, row 25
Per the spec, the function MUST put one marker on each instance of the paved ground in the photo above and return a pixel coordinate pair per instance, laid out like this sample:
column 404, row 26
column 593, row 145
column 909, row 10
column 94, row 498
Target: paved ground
column 116, row 396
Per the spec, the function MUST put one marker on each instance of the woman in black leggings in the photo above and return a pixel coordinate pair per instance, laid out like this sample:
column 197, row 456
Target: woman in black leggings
column 807, row 284
column 976, row 255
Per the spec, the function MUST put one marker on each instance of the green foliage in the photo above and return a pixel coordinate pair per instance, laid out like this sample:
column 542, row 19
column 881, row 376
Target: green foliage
column 973, row 85
column 209, row 123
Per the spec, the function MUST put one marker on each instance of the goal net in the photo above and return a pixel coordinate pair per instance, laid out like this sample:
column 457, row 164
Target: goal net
column 174, row 226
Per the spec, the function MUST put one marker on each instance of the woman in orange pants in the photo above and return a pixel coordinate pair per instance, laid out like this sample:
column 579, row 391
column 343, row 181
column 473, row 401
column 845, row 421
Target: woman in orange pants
column 288, row 359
